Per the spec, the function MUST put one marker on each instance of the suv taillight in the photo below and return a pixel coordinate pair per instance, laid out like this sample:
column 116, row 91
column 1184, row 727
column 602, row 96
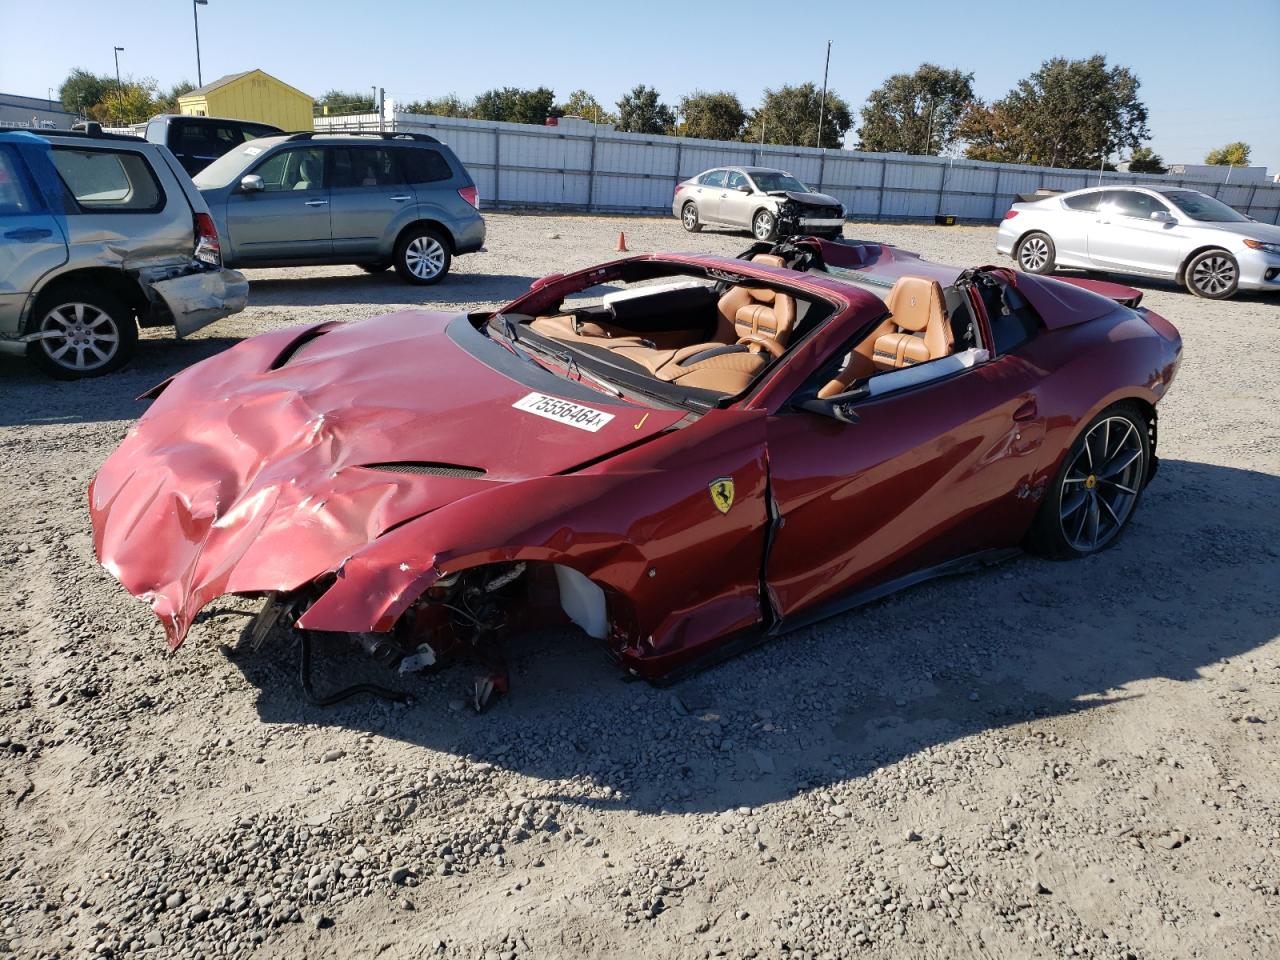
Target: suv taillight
column 207, row 248
column 470, row 195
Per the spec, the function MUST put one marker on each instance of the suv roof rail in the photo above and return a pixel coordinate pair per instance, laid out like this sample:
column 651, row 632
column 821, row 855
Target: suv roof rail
column 89, row 134
column 380, row 134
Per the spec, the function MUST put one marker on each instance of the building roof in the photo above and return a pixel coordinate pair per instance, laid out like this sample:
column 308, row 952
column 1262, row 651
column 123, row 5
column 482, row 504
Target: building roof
column 232, row 78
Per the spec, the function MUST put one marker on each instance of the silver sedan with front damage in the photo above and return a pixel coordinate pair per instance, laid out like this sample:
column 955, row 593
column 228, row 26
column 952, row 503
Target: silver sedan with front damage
column 1154, row 231
column 770, row 203
column 100, row 234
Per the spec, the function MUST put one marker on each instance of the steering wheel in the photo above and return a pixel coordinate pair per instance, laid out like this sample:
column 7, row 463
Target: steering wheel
column 774, row 348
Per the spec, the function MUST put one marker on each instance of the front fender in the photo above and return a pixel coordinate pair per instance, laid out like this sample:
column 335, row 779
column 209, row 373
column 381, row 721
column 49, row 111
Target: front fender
column 519, row 521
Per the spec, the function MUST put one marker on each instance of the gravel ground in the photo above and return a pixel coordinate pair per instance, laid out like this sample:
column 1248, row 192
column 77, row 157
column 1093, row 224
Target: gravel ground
column 1041, row 760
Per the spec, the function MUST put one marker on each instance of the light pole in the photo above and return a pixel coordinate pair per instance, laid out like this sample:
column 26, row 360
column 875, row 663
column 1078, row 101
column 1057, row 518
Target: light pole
column 116, row 53
column 195, row 15
column 822, row 107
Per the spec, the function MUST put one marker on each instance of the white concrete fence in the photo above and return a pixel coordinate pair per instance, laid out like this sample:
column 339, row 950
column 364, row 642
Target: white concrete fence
column 579, row 166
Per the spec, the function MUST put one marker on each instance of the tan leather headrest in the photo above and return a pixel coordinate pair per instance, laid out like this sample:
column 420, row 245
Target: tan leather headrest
column 913, row 301
column 769, row 260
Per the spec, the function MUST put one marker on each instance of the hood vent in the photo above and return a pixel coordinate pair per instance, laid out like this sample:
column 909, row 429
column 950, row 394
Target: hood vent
column 422, row 468
column 292, row 349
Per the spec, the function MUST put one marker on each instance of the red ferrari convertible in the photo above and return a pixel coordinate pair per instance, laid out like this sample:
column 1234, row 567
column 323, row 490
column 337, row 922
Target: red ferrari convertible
column 682, row 455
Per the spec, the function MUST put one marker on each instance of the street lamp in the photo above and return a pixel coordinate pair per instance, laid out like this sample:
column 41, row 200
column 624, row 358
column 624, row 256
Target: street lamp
column 116, row 53
column 195, row 15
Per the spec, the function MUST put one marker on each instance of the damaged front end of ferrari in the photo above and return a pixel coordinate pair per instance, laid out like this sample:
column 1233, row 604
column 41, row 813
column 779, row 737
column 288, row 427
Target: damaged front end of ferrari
column 310, row 469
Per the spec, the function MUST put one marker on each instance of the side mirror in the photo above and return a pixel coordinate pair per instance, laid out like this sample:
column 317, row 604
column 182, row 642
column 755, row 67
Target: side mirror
column 743, row 188
column 840, row 407
column 1162, row 216
column 252, row 184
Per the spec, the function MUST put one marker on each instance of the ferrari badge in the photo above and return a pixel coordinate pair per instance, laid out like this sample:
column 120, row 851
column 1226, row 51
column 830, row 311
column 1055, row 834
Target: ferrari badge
column 722, row 493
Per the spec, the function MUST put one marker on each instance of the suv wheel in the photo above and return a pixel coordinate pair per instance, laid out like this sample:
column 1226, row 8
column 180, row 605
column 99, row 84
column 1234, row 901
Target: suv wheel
column 83, row 332
column 422, row 255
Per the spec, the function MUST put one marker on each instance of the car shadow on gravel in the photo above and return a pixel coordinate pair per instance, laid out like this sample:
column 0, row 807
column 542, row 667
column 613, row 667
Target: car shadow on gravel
column 365, row 290
column 31, row 397
column 1191, row 583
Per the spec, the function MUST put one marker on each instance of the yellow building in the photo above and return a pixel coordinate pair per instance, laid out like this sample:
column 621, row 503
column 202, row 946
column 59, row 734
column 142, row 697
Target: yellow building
column 252, row 95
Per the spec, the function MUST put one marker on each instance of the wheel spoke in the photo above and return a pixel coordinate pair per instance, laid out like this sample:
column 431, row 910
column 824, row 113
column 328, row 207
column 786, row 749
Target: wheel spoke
column 1094, row 521
column 1111, row 469
column 1114, row 517
column 1119, row 486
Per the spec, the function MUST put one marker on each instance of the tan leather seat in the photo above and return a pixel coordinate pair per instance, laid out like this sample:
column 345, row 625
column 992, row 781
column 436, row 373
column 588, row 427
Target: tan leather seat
column 756, row 313
column 916, row 331
column 918, row 311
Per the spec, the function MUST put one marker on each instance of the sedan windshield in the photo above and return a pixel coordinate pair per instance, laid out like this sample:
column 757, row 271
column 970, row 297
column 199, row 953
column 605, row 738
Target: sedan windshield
column 774, row 180
column 1197, row 206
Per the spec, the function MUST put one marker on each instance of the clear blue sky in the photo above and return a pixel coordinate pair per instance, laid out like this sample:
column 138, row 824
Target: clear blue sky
column 1210, row 69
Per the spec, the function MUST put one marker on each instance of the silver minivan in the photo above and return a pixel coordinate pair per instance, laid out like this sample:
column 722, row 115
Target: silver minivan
column 99, row 234
column 376, row 200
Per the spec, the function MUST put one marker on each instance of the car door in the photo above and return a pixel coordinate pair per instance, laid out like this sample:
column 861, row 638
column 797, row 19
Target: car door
column 369, row 192
column 32, row 241
column 926, row 475
column 737, row 206
column 288, row 219
column 1124, row 236
column 707, row 194
column 1070, row 227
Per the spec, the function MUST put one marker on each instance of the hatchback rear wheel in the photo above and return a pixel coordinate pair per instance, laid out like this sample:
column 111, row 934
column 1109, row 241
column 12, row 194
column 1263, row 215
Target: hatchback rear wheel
column 422, row 256
column 82, row 332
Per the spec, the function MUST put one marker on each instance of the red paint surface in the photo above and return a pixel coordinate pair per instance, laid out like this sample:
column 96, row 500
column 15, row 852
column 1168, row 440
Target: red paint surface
column 245, row 479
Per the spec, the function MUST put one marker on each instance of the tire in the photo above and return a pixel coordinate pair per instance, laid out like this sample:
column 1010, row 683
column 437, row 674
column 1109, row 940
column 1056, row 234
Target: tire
column 373, row 267
column 91, row 333
column 1035, row 253
column 423, row 256
column 1214, row 275
column 764, row 225
column 689, row 217
column 1090, row 503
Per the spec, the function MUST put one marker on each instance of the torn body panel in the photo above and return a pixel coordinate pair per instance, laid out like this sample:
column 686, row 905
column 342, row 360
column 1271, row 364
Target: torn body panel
column 195, row 300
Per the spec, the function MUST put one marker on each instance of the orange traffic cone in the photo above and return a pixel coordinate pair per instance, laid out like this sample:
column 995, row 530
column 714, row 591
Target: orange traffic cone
column 622, row 242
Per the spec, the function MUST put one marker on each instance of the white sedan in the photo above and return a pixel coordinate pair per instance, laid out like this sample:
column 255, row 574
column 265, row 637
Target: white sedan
column 1169, row 232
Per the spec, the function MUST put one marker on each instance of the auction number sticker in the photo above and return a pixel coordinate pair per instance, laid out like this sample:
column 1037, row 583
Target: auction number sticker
column 562, row 411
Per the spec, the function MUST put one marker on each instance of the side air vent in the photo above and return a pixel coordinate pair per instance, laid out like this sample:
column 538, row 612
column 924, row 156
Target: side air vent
column 292, row 349
column 429, row 469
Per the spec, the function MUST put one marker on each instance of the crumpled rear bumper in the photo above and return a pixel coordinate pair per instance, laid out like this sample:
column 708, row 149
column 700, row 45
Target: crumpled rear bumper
column 198, row 299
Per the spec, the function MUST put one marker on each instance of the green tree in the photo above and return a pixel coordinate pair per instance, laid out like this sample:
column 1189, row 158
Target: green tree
column 640, row 111
column 583, row 104
column 1069, row 113
column 345, row 101
column 915, row 112
column 514, row 105
column 1146, row 160
column 1232, row 155
column 712, row 116
column 450, row 105
column 168, row 102
column 134, row 101
column 789, row 115
column 82, row 90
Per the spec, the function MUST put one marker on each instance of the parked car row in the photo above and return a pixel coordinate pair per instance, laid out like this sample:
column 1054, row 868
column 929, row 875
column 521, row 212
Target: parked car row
column 103, row 232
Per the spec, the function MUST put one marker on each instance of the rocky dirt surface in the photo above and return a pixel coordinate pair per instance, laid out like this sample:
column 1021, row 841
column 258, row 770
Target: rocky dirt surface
column 1040, row 760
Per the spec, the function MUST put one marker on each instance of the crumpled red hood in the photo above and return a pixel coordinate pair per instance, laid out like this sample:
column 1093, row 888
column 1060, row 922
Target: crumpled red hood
column 244, row 479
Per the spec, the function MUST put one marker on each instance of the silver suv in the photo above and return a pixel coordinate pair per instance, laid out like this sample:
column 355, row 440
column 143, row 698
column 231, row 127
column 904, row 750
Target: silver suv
column 98, row 234
column 375, row 200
